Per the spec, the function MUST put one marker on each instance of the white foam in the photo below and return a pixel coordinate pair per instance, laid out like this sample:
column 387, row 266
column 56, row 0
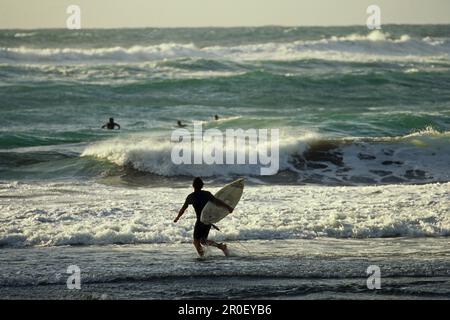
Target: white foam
column 426, row 151
column 411, row 70
column 24, row 34
column 153, row 154
column 373, row 36
column 83, row 213
column 374, row 46
column 435, row 41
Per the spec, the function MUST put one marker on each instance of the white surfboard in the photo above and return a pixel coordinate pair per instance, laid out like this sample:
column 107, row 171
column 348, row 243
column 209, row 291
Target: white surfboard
column 230, row 194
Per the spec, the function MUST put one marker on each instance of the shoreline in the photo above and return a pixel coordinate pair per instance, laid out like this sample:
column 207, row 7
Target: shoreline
column 294, row 269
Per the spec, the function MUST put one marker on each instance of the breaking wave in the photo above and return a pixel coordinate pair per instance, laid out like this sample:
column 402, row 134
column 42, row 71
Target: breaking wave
column 355, row 47
column 311, row 158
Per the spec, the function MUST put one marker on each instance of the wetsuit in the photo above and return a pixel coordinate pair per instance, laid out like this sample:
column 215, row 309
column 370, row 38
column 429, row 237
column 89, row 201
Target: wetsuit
column 199, row 199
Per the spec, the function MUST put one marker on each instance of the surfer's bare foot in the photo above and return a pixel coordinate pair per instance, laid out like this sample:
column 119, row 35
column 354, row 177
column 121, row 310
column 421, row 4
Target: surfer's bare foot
column 199, row 248
column 224, row 248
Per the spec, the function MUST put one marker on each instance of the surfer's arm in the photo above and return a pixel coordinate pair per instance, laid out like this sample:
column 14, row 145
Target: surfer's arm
column 104, row 126
column 222, row 204
column 117, row 125
column 181, row 212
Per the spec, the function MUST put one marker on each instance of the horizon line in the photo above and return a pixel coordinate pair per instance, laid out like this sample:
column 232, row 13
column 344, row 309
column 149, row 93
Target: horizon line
column 231, row 27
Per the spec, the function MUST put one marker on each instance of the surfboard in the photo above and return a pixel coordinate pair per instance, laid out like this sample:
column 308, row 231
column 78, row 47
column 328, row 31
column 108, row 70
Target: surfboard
column 230, row 194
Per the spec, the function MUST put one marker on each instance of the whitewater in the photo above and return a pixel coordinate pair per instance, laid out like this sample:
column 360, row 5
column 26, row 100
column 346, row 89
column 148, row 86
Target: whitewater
column 91, row 214
column 354, row 47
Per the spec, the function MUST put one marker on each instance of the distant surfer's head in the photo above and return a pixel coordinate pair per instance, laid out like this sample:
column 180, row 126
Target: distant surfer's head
column 198, row 183
column 111, row 120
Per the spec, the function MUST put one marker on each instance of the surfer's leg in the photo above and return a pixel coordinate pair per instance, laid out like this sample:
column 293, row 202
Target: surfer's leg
column 204, row 240
column 199, row 248
column 221, row 246
column 210, row 243
column 200, row 233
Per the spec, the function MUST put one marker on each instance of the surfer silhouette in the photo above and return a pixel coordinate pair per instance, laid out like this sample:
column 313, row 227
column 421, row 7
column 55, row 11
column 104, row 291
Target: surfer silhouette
column 216, row 117
column 111, row 125
column 198, row 199
column 180, row 125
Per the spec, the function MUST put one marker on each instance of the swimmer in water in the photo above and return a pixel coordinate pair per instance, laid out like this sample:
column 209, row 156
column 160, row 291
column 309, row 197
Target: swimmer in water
column 180, row 125
column 111, row 125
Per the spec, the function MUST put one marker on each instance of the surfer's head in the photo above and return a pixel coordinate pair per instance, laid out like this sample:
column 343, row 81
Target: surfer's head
column 198, row 183
column 111, row 120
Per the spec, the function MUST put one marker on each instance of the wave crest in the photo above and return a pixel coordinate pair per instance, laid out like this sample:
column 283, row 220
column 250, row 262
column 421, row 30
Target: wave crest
column 311, row 158
column 373, row 46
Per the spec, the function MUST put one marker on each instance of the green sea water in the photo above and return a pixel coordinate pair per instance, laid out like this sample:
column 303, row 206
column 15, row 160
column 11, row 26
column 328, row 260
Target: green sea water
column 340, row 92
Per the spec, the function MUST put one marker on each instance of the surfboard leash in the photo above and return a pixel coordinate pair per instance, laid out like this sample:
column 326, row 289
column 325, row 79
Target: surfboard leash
column 237, row 241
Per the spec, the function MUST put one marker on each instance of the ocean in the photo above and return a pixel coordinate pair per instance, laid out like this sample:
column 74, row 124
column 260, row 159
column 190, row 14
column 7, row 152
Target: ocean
column 364, row 171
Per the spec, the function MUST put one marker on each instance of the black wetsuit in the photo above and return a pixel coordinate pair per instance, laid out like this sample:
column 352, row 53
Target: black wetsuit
column 111, row 125
column 199, row 199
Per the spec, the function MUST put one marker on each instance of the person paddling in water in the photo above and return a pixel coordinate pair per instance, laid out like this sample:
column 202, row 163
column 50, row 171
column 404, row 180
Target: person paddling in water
column 180, row 124
column 111, row 125
column 198, row 199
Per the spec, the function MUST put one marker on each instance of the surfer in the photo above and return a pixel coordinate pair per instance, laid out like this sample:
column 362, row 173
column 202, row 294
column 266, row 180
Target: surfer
column 180, row 125
column 216, row 117
column 198, row 199
column 111, row 125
